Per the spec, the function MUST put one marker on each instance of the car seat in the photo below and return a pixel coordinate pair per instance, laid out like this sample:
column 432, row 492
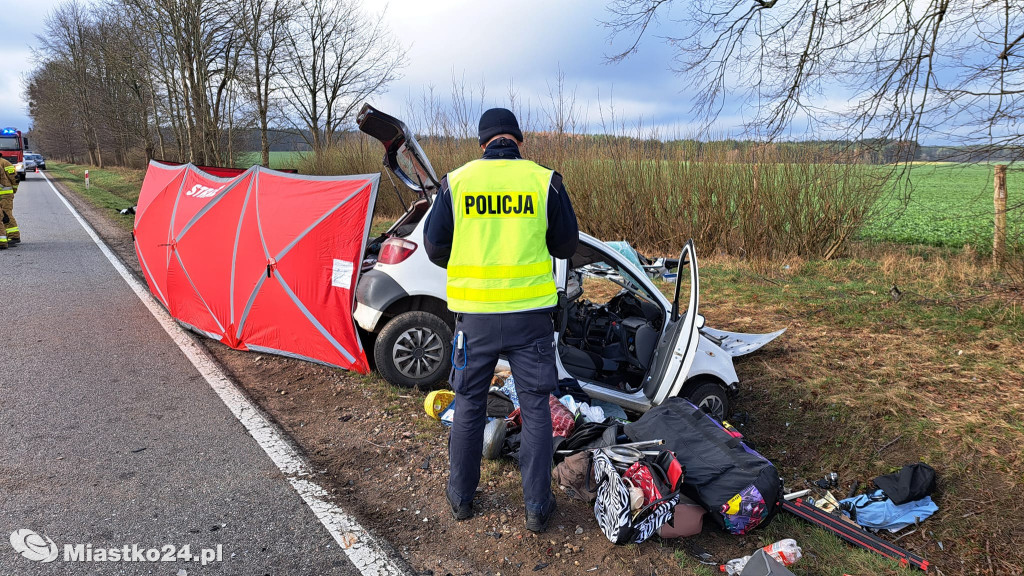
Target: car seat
column 579, row 363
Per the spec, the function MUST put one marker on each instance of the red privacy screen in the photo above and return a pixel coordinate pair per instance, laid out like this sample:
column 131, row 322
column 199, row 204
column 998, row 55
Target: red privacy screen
column 264, row 261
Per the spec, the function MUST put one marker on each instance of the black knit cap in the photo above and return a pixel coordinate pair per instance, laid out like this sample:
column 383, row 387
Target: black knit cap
column 499, row 121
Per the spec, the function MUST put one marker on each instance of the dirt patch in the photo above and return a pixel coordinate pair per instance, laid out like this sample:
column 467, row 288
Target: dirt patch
column 386, row 461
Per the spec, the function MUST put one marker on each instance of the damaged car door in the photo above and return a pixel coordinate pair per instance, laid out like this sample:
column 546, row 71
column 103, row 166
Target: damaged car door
column 675, row 355
column 635, row 348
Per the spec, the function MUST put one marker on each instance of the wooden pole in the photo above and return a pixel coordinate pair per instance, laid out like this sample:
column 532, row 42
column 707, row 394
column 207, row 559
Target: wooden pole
column 999, row 238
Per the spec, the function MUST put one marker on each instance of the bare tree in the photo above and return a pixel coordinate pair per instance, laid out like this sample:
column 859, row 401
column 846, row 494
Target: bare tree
column 68, row 32
column 336, row 57
column 858, row 69
column 200, row 49
column 263, row 31
column 128, row 79
column 53, row 103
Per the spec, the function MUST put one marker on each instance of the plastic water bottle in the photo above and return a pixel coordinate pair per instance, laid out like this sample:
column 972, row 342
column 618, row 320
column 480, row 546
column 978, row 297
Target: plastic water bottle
column 735, row 566
column 785, row 551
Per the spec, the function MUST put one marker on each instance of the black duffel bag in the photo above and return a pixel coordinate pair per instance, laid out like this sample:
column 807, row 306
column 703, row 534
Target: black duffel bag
column 738, row 486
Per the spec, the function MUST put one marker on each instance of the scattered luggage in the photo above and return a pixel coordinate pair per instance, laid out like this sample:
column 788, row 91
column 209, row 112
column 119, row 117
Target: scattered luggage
column 575, row 474
column 621, row 518
column 877, row 512
column 738, row 486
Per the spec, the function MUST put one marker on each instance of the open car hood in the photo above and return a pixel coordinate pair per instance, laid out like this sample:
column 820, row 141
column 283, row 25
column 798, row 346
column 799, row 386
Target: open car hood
column 738, row 344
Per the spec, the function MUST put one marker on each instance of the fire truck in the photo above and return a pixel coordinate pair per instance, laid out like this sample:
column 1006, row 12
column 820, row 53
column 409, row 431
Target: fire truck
column 12, row 148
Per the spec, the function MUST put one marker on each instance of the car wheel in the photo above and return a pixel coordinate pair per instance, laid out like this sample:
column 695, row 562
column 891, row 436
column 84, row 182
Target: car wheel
column 413, row 349
column 709, row 396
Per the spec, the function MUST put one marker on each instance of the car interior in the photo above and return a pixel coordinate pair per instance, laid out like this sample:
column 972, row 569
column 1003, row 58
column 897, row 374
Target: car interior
column 608, row 338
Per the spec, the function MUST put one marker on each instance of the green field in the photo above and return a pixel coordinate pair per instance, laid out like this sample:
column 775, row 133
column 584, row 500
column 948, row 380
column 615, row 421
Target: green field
column 949, row 205
column 277, row 159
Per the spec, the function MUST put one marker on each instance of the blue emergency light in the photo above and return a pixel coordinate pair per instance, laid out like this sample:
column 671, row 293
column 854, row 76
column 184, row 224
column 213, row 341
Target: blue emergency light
column 8, row 131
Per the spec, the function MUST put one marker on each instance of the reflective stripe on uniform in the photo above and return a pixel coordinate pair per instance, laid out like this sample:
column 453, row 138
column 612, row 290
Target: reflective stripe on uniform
column 12, row 230
column 496, row 272
column 508, row 295
column 10, row 169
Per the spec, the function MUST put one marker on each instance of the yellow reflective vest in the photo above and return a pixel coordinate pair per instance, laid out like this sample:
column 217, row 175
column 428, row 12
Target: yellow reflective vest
column 499, row 260
column 8, row 177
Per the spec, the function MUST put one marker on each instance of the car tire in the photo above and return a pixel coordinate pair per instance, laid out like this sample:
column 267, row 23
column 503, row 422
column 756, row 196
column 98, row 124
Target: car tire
column 708, row 395
column 414, row 350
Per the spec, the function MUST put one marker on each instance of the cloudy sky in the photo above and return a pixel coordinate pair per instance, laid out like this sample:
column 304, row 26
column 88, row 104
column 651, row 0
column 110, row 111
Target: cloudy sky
column 525, row 42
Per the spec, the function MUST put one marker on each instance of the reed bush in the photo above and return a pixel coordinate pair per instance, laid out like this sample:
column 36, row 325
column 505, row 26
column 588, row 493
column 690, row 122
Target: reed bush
column 761, row 202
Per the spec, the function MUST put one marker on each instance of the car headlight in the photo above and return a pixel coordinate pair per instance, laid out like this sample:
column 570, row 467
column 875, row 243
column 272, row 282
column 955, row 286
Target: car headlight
column 20, row 165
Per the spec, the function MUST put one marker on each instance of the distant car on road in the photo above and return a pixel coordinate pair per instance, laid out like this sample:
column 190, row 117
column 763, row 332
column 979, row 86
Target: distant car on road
column 40, row 162
column 24, row 167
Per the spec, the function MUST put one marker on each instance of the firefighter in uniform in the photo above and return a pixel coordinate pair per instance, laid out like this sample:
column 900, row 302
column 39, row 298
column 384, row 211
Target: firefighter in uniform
column 9, row 234
column 495, row 225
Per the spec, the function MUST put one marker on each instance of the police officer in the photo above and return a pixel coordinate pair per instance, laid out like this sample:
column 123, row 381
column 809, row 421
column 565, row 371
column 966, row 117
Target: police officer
column 9, row 233
column 495, row 225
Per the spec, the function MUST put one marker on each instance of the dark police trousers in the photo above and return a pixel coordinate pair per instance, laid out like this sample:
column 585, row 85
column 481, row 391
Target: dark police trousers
column 527, row 341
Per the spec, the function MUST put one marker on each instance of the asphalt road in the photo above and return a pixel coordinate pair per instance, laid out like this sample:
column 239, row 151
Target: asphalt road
column 109, row 436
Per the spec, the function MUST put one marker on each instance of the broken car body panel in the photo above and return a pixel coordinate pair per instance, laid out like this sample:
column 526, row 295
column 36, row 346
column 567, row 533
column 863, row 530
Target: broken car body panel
column 659, row 346
column 738, row 344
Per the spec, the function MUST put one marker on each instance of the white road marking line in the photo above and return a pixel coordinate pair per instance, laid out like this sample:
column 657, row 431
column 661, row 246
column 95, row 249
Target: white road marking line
column 362, row 548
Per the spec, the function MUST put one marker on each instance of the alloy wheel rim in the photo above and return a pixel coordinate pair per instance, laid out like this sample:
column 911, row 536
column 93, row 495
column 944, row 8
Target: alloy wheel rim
column 713, row 405
column 417, row 352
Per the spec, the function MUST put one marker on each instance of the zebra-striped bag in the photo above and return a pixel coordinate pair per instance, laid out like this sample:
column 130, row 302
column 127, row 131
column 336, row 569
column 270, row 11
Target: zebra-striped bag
column 618, row 523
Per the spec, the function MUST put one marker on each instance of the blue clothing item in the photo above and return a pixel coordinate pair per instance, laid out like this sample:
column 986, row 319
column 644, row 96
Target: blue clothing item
column 527, row 340
column 610, row 410
column 563, row 231
column 872, row 512
column 509, row 389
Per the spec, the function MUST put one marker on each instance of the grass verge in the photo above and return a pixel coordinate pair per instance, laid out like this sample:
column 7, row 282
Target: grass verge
column 110, row 189
column 866, row 379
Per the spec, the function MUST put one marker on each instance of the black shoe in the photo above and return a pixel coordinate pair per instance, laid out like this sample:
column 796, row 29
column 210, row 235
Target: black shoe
column 461, row 511
column 13, row 241
column 537, row 521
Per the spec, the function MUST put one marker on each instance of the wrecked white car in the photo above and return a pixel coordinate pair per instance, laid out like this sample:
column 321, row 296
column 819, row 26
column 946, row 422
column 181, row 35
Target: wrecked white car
column 616, row 333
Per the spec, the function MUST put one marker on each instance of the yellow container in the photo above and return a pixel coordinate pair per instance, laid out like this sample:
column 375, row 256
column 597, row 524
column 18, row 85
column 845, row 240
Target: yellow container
column 436, row 402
